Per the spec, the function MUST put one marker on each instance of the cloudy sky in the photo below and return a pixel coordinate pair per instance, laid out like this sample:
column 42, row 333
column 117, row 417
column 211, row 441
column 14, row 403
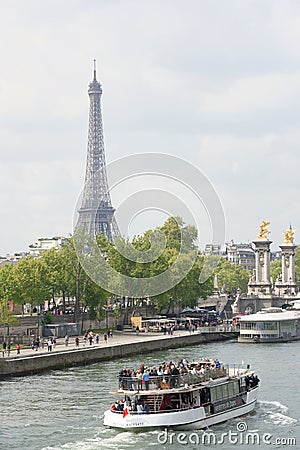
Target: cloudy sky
column 214, row 82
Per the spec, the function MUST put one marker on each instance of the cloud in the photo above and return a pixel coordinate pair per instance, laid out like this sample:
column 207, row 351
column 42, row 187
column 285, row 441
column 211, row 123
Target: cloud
column 216, row 83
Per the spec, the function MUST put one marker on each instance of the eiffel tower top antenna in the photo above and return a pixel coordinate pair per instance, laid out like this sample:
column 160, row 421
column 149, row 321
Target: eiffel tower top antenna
column 95, row 77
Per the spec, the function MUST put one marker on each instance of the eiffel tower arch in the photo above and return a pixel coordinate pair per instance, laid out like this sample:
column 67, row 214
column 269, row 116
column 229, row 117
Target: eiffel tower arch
column 96, row 214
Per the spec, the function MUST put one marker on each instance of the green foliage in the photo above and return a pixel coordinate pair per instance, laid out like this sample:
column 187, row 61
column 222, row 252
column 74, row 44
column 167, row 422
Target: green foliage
column 6, row 316
column 24, row 282
column 232, row 276
column 275, row 269
column 59, row 272
column 48, row 318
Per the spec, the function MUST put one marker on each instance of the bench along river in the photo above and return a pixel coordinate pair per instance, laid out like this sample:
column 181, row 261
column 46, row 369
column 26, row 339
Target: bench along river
column 63, row 409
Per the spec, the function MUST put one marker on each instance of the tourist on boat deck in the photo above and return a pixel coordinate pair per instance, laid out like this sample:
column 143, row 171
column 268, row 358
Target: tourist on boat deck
column 174, row 377
column 122, row 378
column 120, row 406
column 251, row 381
column 146, row 378
column 139, row 377
column 159, row 374
column 140, row 408
column 170, row 375
column 146, row 408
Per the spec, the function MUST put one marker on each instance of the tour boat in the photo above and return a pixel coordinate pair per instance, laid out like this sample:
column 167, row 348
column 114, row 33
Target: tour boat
column 270, row 325
column 199, row 395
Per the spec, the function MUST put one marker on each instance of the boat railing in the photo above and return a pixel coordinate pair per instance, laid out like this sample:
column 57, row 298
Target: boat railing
column 235, row 370
column 168, row 381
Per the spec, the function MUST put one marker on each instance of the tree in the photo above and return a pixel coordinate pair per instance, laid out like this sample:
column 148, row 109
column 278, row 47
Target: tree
column 57, row 273
column 6, row 316
column 232, row 276
column 75, row 277
column 6, row 289
column 32, row 282
column 275, row 269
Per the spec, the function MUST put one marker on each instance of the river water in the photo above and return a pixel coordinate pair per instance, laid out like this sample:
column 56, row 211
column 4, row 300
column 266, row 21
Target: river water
column 63, row 409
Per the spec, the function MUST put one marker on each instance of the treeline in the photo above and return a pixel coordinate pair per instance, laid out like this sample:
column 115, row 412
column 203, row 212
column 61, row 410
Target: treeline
column 60, row 273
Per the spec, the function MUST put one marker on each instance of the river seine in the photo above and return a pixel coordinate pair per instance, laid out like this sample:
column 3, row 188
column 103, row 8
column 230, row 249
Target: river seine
column 63, row 409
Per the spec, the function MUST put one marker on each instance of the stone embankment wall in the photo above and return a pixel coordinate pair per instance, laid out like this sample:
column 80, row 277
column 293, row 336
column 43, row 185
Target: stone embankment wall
column 24, row 365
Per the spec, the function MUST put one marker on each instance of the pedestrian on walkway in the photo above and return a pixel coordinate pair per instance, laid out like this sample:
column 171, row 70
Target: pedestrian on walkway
column 66, row 340
column 49, row 343
column 77, row 341
column 8, row 349
column 97, row 338
column 105, row 338
column 18, row 348
column 3, row 349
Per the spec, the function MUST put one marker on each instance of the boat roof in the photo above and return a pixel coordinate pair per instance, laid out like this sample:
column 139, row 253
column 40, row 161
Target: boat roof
column 271, row 315
column 182, row 389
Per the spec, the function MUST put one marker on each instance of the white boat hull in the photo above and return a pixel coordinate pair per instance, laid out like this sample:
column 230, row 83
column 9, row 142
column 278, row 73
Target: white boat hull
column 189, row 418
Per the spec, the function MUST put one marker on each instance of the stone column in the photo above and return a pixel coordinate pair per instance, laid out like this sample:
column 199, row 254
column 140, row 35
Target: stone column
column 260, row 283
column 285, row 284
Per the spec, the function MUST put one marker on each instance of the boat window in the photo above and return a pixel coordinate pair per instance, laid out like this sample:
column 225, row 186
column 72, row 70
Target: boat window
column 236, row 387
column 230, row 389
column 213, row 394
column 205, row 395
column 222, row 391
column 243, row 384
column 219, row 392
column 225, row 391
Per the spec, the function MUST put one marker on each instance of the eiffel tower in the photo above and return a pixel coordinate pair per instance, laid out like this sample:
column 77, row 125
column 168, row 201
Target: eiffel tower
column 96, row 214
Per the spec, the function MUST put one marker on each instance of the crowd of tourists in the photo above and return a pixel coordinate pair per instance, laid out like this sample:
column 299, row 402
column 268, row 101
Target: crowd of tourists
column 168, row 375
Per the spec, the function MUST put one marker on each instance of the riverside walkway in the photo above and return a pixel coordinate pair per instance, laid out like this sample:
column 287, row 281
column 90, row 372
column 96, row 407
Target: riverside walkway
column 120, row 345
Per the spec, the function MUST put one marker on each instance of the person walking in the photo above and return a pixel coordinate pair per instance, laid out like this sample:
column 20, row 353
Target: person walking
column 105, row 338
column 3, row 349
column 66, row 340
column 18, row 348
column 49, row 343
column 8, row 349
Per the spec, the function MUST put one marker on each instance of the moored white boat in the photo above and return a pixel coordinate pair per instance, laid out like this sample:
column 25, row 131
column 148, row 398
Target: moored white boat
column 270, row 325
column 197, row 397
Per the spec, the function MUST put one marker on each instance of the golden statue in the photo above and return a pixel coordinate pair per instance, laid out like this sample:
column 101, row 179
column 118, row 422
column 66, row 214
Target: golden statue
column 289, row 236
column 263, row 230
